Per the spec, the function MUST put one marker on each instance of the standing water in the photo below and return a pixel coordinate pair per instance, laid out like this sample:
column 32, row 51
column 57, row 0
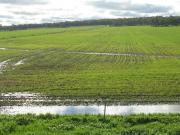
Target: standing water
column 91, row 109
column 23, row 103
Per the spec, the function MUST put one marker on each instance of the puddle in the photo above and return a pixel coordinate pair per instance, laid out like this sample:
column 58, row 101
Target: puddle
column 23, row 103
column 26, row 50
column 125, row 54
column 92, row 109
column 17, row 95
column 108, row 54
column 3, row 49
column 3, row 65
column 19, row 63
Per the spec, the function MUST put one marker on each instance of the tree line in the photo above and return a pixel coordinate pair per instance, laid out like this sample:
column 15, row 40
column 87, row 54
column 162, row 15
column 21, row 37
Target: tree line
column 152, row 21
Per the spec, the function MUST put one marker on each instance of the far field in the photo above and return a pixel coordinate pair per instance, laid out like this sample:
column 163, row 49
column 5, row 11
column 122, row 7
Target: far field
column 140, row 63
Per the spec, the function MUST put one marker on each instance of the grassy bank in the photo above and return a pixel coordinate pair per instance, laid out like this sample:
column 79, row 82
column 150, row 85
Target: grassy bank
column 54, row 66
column 90, row 125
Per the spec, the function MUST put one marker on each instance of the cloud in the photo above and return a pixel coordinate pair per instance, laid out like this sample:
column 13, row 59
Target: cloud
column 44, row 11
column 149, row 8
column 23, row 2
column 6, row 17
column 129, row 6
column 26, row 13
column 57, row 19
column 126, row 14
column 63, row 19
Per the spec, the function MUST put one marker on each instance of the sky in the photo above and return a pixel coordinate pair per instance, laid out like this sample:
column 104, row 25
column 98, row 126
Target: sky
column 13, row 12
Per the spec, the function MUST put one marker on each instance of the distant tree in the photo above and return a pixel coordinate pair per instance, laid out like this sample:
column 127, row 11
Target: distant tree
column 152, row 21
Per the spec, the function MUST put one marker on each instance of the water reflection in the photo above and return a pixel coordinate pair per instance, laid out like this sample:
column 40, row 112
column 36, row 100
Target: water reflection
column 92, row 109
column 23, row 103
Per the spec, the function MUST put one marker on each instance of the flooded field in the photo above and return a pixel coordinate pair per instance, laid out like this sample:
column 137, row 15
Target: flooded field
column 24, row 103
column 126, row 54
column 2, row 48
column 125, row 70
column 19, row 63
column 3, row 65
column 91, row 109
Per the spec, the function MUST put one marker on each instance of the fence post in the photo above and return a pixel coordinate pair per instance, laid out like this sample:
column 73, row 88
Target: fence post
column 105, row 110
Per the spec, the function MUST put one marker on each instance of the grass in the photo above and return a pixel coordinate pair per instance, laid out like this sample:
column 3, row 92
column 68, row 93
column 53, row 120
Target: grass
column 159, row 124
column 50, row 69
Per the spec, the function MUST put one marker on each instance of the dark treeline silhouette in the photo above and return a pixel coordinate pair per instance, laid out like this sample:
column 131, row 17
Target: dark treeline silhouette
column 152, row 21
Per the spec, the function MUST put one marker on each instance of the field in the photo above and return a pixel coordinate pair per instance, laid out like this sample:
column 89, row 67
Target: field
column 90, row 125
column 138, row 63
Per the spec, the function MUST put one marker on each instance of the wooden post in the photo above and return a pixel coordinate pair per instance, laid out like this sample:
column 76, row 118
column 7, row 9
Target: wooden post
column 105, row 110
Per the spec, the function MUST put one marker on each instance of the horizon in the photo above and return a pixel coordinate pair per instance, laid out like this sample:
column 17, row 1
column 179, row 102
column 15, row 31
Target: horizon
column 83, row 20
column 15, row 12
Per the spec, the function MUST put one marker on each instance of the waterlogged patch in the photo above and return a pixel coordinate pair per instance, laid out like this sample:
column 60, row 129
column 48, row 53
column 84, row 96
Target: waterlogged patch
column 3, row 65
column 108, row 54
column 19, row 95
column 26, row 102
column 3, row 49
column 19, row 63
column 124, row 54
column 20, row 98
column 91, row 109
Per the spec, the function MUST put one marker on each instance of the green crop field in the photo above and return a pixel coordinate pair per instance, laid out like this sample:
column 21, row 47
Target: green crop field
column 137, row 63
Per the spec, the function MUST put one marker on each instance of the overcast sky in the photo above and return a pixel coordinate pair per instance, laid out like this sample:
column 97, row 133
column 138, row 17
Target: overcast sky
column 42, row 11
